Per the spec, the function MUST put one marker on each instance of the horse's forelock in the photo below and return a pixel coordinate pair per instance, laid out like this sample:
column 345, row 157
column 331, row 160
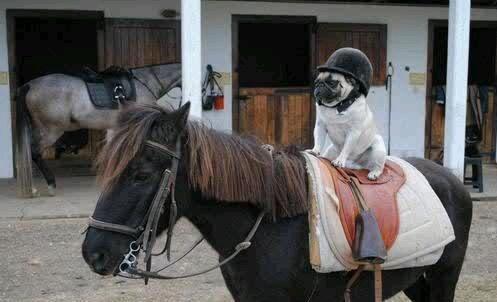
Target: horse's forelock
column 133, row 126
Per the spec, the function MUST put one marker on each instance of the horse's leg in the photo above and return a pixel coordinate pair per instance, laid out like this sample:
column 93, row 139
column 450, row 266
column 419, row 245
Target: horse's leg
column 230, row 283
column 39, row 144
column 242, row 289
column 442, row 281
column 419, row 291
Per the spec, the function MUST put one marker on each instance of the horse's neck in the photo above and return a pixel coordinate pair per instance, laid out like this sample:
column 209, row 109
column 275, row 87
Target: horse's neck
column 146, row 78
column 159, row 78
column 169, row 75
column 223, row 225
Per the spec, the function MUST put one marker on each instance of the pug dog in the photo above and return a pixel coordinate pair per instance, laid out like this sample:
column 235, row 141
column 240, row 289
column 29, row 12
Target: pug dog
column 343, row 117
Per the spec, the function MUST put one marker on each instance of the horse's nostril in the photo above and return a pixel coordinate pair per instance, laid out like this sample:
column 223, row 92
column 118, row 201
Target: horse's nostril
column 98, row 261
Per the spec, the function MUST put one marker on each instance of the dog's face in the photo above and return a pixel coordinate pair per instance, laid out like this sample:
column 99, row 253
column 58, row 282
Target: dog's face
column 331, row 88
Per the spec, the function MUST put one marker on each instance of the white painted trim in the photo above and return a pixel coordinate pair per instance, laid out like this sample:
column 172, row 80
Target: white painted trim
column 457, row 85
column 191, row 55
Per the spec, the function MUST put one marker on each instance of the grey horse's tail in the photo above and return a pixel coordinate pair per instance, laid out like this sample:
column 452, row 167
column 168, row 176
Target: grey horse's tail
column 23, row 145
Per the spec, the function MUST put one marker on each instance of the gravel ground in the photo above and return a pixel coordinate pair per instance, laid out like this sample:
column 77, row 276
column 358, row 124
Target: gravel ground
column 43, row 262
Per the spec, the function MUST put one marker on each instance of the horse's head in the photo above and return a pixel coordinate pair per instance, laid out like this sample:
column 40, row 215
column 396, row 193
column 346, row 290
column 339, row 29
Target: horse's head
column 132, row 168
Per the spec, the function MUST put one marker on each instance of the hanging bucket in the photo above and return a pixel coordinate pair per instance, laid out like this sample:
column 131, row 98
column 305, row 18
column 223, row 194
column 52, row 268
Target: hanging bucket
column 219, row 102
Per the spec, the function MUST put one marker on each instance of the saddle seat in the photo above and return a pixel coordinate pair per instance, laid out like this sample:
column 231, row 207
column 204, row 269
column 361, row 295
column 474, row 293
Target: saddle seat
column 109, row 88
column 90, row 75
column 380, row 195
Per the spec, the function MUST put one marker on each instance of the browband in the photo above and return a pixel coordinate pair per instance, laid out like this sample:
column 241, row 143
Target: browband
column 162, row 149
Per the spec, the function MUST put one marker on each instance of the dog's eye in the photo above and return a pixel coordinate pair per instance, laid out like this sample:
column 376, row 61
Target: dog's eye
column 333, row 83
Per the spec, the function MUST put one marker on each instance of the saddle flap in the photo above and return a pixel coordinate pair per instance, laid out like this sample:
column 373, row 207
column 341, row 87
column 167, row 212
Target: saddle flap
column 368, row 244
column 380, row 196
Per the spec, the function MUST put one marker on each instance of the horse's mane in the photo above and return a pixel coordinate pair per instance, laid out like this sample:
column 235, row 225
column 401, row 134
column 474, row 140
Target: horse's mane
column 233, row 168
column 223, row 167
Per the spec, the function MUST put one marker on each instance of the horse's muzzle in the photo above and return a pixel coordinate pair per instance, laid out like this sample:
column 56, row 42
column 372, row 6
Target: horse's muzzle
column 102, row 258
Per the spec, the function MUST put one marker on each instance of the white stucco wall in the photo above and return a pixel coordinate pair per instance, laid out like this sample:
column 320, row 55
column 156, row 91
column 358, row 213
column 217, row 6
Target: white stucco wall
column 406, row 46
column 111, row 8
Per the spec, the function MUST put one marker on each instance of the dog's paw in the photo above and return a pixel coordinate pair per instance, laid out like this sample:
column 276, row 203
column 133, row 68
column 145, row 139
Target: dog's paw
column 268, row 148
column 373, row 175
column 314, row 152
column 339, row 162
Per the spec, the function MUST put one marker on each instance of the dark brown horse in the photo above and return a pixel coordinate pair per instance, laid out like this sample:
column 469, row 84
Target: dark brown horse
column 223, row 182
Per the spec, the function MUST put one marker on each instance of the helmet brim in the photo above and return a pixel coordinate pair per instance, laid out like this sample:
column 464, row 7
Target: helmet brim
column 325, row 68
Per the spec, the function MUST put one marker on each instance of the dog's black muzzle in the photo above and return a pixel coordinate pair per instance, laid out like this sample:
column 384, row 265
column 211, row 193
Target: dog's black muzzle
column 327, row 91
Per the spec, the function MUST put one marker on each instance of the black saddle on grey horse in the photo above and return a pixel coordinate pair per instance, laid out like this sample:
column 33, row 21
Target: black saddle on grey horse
column 110, row 87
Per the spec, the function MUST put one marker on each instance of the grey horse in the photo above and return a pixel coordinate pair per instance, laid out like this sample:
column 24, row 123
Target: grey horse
column 50, row 105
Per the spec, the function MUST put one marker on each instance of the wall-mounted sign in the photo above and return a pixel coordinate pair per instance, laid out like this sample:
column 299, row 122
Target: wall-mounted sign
column 4, row 78
column 417, row 78
column 225, row 79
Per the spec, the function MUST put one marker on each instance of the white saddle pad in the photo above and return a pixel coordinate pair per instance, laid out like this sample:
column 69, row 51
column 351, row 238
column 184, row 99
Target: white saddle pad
column 424, row 230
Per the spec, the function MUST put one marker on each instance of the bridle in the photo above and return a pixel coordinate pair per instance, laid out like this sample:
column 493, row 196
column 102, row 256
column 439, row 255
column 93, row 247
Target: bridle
column 145, row 234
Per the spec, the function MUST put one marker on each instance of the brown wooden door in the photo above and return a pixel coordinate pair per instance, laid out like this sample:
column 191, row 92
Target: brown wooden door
column 369, row 38
column 273, row 58
column 134, row 43
column 278, row 116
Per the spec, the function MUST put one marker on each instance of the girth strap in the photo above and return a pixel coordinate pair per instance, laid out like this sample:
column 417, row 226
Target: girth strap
column 378, row 283
column 376, row 262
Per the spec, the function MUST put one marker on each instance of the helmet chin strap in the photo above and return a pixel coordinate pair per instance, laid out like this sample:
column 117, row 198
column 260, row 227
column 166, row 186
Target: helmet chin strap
column 344, row 104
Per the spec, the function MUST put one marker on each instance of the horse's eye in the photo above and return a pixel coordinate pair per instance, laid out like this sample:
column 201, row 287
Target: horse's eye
column 141, row 177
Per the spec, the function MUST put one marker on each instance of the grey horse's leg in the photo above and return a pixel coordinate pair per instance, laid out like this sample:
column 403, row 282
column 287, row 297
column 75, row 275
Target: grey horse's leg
column 38, row 144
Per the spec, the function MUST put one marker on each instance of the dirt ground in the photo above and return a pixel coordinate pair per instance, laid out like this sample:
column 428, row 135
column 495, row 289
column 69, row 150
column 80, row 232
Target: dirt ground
column 42, row 262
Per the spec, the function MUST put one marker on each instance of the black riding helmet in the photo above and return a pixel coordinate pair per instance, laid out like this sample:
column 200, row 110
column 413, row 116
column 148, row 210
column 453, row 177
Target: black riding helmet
column 351, row 62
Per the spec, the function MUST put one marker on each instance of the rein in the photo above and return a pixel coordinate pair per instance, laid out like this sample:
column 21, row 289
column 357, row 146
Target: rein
column 145, row 234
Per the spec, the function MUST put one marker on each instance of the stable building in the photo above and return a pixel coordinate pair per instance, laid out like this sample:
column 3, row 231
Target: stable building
column 266, row 53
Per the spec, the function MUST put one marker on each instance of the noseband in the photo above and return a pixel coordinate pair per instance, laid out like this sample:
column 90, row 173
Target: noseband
column 145, row 234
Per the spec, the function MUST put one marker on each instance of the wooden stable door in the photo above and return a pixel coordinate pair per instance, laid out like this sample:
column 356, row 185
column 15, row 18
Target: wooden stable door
column 277, row 116
column 369, row 38
column 273, row 62
column 134, row 43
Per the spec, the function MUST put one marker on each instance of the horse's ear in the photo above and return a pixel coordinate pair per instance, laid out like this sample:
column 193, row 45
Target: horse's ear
column 182, row 115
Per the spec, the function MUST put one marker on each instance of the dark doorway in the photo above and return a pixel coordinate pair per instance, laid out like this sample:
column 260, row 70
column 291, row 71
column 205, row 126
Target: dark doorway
column 481, row 102
column 43, row 42
column 273, row 54
column 54, row 45
column 481, row 67
column 273, row 59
